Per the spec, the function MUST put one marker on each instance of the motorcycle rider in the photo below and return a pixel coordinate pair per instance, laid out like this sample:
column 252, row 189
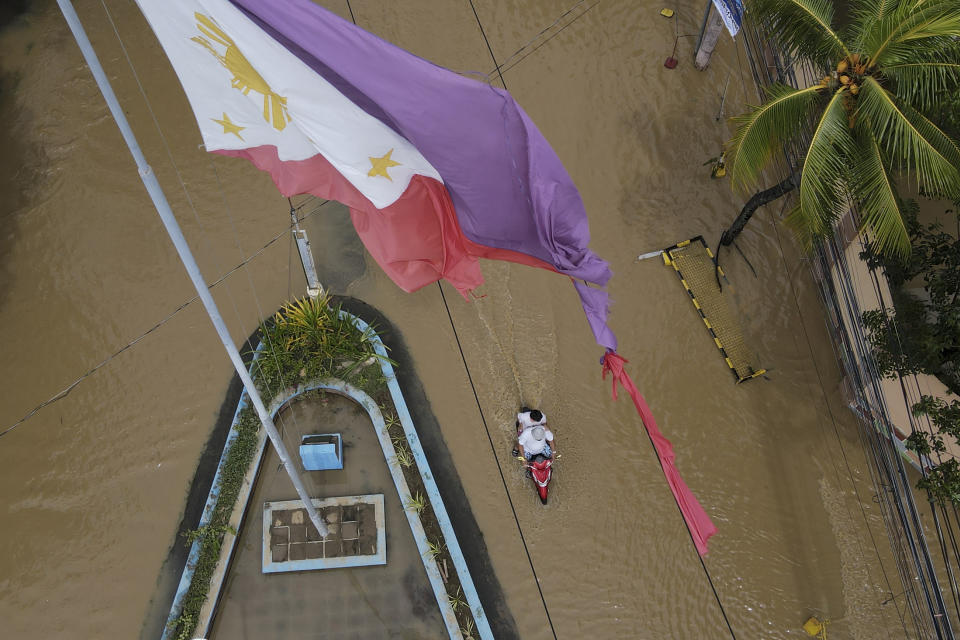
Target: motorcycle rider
column 533, row 437
column 529, row 418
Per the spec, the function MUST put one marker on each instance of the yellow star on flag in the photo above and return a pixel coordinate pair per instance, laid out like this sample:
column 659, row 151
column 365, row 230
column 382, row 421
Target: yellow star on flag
column 380, row 166
column 228, row 126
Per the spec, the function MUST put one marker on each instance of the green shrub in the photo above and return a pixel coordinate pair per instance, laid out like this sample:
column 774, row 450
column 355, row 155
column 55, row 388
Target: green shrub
column 927, row 334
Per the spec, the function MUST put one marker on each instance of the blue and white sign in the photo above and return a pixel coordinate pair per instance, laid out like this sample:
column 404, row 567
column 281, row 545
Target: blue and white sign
column 731, row 12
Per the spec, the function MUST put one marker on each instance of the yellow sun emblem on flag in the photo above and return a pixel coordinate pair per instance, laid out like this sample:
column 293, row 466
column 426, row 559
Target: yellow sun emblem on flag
column 245, row 77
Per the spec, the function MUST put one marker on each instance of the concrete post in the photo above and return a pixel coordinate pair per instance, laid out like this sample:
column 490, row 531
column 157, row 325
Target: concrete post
column 314, row 288
column 709, row 41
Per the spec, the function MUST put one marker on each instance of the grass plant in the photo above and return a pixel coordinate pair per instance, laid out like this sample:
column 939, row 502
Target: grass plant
column 457, row 600
column 416, row 503
column 308, row 339
column 434, row 549
column 404, row 457
column 390, row 420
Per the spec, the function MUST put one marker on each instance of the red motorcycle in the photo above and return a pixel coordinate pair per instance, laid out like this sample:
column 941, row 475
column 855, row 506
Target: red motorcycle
column 539, row 467
column 541, row 471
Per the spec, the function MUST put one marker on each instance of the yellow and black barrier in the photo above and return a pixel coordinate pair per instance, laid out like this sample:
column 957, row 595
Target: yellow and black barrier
column 697, row 268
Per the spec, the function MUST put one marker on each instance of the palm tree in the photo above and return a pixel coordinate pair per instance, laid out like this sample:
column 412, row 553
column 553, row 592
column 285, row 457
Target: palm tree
column 862, row 128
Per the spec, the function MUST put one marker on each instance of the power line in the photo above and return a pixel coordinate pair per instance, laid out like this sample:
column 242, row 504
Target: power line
column 496, row 458
column 489, row 48
column 66, row 390
column 506, row 65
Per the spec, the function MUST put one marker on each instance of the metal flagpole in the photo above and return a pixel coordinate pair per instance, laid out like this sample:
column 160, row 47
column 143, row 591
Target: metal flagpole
column 176, row 235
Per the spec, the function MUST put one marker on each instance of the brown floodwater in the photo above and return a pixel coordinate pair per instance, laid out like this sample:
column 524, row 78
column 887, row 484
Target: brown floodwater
column 92, row 487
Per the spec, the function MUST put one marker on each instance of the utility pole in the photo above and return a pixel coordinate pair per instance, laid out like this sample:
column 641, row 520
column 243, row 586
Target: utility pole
column 709, row 35
column 314, row 288
column 176, row 235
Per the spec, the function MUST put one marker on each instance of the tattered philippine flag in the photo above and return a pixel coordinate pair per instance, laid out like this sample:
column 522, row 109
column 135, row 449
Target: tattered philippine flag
column 438, row 169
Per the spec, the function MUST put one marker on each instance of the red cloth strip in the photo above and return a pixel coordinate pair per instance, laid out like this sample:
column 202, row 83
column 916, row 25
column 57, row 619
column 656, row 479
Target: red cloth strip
column 698, row 522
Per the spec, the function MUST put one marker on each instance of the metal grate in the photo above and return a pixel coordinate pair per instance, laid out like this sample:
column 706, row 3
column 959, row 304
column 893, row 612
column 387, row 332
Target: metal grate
column 695, row 266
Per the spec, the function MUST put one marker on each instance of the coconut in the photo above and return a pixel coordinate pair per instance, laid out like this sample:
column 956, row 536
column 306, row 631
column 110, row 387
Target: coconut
column 845, row 79
column 842, row 66
column 854, row 89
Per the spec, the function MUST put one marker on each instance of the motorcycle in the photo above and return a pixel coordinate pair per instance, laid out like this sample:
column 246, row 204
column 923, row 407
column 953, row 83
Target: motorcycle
column 539, row 467
column 541, row 470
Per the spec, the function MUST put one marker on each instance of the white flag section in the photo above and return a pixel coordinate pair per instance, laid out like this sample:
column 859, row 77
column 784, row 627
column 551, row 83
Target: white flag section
column 247, row 91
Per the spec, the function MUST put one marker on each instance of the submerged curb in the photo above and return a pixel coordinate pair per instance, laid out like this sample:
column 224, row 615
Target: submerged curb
column 341, row 387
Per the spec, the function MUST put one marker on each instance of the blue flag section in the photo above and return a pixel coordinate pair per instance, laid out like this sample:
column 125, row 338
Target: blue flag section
column 731, row 11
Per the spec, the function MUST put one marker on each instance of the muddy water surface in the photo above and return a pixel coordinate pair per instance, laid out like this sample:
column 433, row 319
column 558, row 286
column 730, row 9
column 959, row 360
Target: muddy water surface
column 92, row 487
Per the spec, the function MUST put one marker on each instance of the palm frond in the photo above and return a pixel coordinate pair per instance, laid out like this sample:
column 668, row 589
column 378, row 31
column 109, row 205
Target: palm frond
column 761, row 132
column 803, row 26
column 877, row 8
column 922, row 84
column 824, row 167
column 876, row 195
column 893, row 39
column 866, row 14
column 803, row 227
column 910, row 141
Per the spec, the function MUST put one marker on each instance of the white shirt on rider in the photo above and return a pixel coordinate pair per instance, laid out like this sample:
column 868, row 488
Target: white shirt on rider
column 532, row 446
column 526, row 421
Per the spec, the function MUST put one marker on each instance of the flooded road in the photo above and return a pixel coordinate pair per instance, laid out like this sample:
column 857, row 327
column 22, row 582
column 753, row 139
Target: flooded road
column 92, row 486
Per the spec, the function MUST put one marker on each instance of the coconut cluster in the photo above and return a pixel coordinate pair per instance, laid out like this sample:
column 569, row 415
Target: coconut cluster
column 850, row 72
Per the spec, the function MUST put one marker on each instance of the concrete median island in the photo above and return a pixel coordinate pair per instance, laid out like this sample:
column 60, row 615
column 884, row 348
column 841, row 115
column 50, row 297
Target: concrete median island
column 359, row 370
